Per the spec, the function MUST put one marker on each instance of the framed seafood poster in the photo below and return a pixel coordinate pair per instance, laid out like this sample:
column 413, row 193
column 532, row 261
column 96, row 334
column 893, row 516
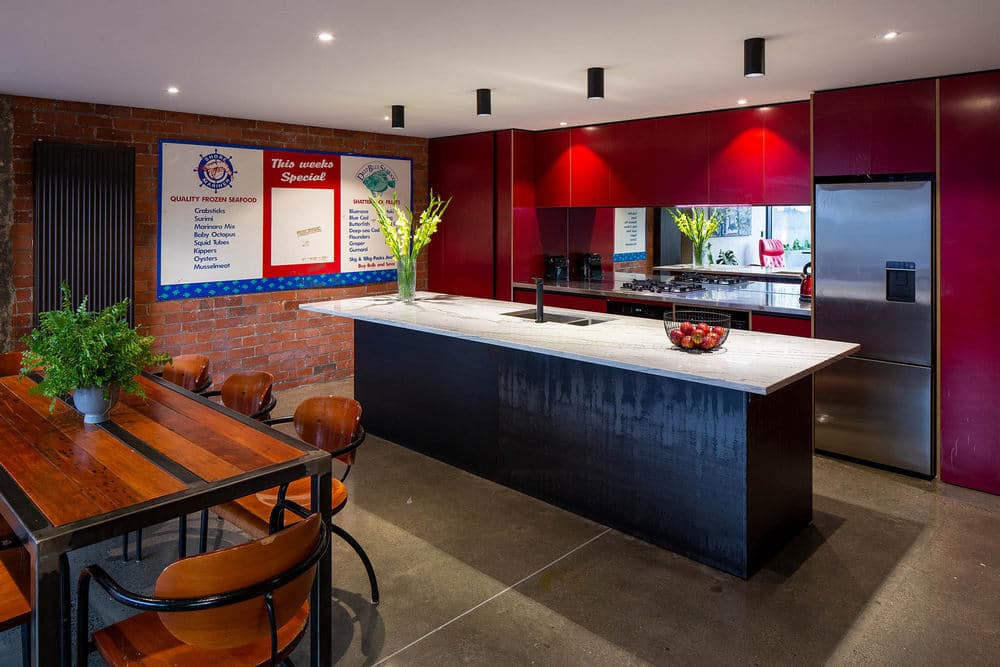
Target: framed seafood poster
column 244, row 219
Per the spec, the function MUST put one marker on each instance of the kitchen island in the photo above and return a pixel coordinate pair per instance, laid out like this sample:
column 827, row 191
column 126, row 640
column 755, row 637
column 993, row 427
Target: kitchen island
column 709, row 455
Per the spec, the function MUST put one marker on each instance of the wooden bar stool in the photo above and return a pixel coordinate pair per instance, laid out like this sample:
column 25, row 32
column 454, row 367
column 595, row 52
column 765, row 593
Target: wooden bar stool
column 245, row 605
column 331, row 423
column 249, row 393
column 189, row 371
column 15, row 587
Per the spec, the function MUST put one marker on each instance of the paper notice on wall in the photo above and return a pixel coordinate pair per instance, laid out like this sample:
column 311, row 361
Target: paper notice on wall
column 302, row 223
column 630, row 234
column 240, row 219
column 212, row 198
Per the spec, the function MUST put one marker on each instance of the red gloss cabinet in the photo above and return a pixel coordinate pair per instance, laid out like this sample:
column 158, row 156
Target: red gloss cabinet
column 776, row 324
column 885, row 129
column 736, row 157
column 553, row 166
column 969, row 364
column 589, row 173
column 461, row 258
column 786, row 154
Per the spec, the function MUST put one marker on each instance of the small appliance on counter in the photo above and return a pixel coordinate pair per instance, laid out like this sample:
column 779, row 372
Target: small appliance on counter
column 806, row 288
column 589, row 267
column 556, row 267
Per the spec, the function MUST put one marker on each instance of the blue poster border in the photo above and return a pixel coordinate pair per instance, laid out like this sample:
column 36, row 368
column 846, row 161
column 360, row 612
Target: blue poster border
column 258, row 285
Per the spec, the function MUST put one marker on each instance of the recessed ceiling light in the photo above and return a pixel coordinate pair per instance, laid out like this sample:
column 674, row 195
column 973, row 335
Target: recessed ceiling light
column 892, row 34
column 741, row 101
column 173, row 90
column 562, row 122
column 325, row 37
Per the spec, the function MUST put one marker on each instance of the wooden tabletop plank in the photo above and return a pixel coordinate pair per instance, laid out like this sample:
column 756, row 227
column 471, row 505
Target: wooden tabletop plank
column 135, row 471
column 214, row 420
column 171, row 423
column 93, row 478
column 199, row 460
column 56, row 495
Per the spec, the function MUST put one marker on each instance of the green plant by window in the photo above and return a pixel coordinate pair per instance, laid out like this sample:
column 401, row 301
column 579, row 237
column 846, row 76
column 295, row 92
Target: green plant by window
column 699, row 226
column 77, row 348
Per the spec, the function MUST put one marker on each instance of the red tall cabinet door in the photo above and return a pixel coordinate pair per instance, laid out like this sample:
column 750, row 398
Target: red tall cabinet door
column 680, row 167
column 634, row 176
column 589, row 173
column 787, row 178
column 969, row 362
column 885, row 129
column 460, row 257
column 736, row 157
column 553, row 163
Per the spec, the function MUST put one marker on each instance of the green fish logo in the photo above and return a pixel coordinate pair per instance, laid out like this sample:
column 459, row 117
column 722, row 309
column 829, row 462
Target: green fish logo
column 378, row 177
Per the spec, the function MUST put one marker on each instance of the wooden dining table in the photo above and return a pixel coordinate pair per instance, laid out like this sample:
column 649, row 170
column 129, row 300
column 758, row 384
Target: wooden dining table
column 67, row 485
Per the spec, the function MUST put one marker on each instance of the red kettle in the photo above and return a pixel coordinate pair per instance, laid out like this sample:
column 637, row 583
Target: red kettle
column 806, row 288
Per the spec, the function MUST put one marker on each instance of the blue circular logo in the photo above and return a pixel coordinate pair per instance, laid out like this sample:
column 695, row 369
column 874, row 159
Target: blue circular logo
column 216, row 171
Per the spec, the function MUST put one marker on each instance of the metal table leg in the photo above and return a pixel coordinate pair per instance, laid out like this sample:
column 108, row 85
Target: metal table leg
column 321, row 603
column 49, row 604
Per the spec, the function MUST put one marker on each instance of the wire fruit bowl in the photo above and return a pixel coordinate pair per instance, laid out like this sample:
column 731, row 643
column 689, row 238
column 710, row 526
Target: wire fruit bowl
column 699, row 330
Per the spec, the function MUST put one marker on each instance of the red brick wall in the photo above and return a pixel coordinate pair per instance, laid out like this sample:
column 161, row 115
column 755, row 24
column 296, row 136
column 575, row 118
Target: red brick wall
column 257, row 331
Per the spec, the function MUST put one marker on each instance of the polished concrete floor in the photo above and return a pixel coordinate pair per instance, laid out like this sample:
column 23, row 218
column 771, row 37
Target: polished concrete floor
column 894, row 571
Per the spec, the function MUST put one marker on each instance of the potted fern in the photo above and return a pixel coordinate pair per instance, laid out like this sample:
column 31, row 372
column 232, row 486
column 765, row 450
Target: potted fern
column 699, row 226
column 93, row 355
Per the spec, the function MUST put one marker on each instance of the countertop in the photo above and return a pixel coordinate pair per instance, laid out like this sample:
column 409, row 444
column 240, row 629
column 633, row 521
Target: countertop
column 754, row 362
column 757, row 296
column 765, row 272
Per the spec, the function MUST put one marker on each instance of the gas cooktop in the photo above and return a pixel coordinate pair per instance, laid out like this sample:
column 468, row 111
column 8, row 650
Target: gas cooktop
column 661, row 287
column 709, row 279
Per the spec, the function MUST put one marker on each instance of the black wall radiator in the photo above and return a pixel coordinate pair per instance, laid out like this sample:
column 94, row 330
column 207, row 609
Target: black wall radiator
column 83, row 214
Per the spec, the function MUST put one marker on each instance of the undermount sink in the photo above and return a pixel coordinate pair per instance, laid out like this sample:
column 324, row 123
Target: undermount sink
column 573, row 320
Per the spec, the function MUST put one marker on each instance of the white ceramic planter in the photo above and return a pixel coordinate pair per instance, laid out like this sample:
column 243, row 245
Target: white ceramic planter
column 91, row 402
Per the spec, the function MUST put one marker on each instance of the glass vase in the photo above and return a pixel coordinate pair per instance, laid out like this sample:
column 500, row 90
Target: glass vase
column 698, row 251
column 406, row 278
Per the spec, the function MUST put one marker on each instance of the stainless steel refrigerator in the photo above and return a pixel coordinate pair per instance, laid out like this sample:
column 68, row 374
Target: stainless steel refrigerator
column 873, row 285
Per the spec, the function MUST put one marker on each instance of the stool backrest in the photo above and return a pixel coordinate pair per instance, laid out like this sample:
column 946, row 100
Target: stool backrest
column 232, row 569
column 187, row 370
column 247, row 392
column 772, row 252
column 328, row 422
column 10, row 363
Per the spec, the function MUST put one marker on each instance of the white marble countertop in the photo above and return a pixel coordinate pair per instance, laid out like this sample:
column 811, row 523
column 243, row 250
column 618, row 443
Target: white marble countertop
column 756, row 296
column 754, row 362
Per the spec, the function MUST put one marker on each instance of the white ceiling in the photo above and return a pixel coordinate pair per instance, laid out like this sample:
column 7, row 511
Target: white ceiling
column 260, row 58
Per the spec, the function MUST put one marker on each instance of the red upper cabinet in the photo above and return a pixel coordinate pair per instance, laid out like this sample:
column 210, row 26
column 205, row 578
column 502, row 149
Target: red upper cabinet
column 553, row 150
column 632, row 163
column 460, row 260
column 680, row 160
column 969, row 364
column 885, row 129
column 589, row 173
column 736, row 157
column 786, row 154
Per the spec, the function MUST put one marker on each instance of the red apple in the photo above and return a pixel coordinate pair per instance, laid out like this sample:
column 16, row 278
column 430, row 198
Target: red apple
column 687, row 328
column 719, row 331
column 710, row 342
column 701, row 326
column 687, row 343
column 697, row 336
column 675, row 336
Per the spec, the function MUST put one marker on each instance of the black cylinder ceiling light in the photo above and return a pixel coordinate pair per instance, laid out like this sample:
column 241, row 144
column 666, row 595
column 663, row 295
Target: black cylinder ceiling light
column 595, row 83
column 753, row 57
column 397, row 117
column 484, row 105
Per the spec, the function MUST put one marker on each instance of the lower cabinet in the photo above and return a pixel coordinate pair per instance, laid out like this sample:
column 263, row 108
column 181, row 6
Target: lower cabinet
column 789, row 326
column 591, row 303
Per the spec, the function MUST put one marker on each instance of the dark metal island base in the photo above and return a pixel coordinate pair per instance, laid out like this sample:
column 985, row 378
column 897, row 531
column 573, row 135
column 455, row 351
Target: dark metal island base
column 719, row 474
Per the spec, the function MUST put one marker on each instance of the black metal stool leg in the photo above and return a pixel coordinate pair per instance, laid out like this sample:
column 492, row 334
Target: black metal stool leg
column 203, row 535
column 26, row 644
column 138, row 545
column 125, row 548
column 346, row 472
column 182, row 531
column 344, row 535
